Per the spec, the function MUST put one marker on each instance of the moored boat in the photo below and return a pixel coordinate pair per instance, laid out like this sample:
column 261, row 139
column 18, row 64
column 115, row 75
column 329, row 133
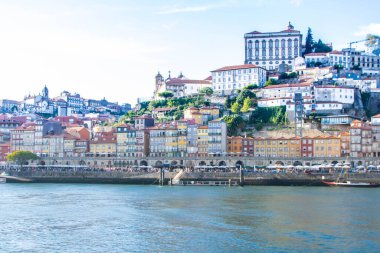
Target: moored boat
column 351, row 184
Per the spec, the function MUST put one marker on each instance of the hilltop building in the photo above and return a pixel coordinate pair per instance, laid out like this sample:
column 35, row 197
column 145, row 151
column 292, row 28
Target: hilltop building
column 269, row 50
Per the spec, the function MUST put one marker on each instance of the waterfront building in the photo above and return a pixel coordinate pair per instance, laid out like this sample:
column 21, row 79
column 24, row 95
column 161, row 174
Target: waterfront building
column 248, row 146
column 217, row 137
column 182, row 126
column 229, row 79
column 375, row 124
column 192, row 139
column 235, row 145
column 163, row 141
column 360, row 139
column 345, row 142
column 326, row 146
column 126, row 141
column 277, row 147
column 202, row 141
column 103, row 146
column 307, row 146
column 22, row 138
column 5, row 149
column 271, row 49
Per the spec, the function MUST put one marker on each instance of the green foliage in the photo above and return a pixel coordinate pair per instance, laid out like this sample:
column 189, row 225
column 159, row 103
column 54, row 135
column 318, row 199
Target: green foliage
column 309, row 42
column 243, row 95
column 251, row 87
column 228, row 102
column 270, row 115
column 206, row 91
column 271, row 81
column 166, row 94
column 321, row 47
column 247, row 104
column 235, row 108
column 22, row 157
column 288, row 76
column 235, row 123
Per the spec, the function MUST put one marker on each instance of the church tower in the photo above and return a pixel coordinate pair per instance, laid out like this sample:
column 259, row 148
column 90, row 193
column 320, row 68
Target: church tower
column 45, row 92
column 159, row 80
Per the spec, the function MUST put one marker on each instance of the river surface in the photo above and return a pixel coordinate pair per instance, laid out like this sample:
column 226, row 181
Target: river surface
column 125, row 218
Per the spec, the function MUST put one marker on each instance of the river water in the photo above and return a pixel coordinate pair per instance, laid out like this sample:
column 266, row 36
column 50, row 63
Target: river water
column 125, row 218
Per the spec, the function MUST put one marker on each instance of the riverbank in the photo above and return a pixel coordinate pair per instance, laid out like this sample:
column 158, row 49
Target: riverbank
column 149, row 178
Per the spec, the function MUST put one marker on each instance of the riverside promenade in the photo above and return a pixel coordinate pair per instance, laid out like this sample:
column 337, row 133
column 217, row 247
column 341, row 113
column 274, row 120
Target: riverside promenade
column 81, row 174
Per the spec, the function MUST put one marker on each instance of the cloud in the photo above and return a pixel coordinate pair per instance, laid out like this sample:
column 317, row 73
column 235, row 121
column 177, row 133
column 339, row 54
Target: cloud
column 186, row 9
column 296, row 3
column 372, row 28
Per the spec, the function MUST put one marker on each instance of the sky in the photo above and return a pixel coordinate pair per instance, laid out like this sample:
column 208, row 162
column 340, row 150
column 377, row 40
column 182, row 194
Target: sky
column 114, row 48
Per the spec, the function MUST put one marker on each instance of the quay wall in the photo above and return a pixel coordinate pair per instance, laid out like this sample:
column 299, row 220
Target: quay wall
column 300, row 179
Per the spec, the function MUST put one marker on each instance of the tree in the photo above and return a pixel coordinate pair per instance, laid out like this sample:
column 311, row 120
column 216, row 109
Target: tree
column 207, row 91
column 251, row 87
column 228, row 102
column 22, row 157
column 321, row 47
column 373, row 43
column 309, row 43
column 338, row 67
column 235, row 108
column 234, row 123
column 166, row 94
column 271, row 81
column 246, row 105
column 243, row 95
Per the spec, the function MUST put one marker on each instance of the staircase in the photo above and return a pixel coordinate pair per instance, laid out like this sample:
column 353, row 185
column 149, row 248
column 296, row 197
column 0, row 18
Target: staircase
column 177, row 178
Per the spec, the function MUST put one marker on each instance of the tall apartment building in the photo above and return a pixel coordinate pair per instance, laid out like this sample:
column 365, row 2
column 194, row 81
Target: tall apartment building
column 217, row 137
column 270, row 49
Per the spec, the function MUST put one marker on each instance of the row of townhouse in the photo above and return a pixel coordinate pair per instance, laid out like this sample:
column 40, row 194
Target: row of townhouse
column 175, row 139
column 363, row 139
column 317, row 146
column 49, row 139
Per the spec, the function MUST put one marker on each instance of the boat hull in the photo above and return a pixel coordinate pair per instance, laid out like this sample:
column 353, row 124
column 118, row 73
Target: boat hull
column 351, row 184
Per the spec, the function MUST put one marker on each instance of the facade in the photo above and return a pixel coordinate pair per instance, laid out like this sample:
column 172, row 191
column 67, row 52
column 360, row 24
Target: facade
column 360, row 139
column 326, row 146
column 201, row 115
column 126, row 141
column 313, row 59
column 229, row 79
column 277, row 147
column 5, row 149
column 143, row 122
column 9, row 106
column 217, row 137
column 345, row 141
column 202, row 141
column 375, row 123
column 307, row 146
column 180, row 86
column 271, row 49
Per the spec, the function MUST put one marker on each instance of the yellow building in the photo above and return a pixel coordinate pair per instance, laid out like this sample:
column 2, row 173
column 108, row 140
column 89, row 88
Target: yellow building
column 277, row 147
column 182, row 136
column 326, row 146
column 202, row 140
column 103, row 146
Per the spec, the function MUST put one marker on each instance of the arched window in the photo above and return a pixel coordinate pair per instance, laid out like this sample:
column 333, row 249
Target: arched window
column 249, row 49
column 270, row 44
column 263, row 44
column 257, row 44
column 289, row 47
column 276, row 43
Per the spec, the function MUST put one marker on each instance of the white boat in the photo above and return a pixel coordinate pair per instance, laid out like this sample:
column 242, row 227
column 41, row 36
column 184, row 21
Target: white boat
column 351, row 184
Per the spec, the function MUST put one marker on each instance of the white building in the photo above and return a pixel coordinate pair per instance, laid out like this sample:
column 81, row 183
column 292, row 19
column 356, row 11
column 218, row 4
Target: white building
column 180, row 86
column 286, row 90
column 330, row 93
column 339, row 58
column 228, row 79
column 270, row 49
column 313, row 58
